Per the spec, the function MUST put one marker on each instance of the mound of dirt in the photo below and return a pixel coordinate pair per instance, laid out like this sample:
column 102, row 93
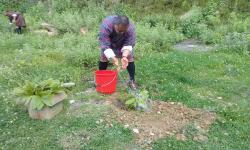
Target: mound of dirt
column 165, row 119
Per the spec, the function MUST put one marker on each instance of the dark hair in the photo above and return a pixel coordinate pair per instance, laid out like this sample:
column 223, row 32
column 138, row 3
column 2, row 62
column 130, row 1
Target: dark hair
column 123, row 20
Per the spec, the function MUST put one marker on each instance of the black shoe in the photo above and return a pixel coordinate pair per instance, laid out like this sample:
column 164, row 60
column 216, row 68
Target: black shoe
column 132, row 85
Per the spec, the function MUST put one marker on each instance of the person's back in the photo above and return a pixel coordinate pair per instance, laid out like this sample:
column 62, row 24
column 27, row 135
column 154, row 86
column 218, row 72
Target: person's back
column 18, row 19
column 117, row 40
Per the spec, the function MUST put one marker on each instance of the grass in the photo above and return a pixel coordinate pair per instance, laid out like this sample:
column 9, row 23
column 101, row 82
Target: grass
column 195, row 79
column 217, row 81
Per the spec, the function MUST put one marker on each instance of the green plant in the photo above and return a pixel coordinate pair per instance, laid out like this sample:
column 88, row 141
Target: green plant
column 39, row 95
column 138, row 100
column 169, row 21
column 236, row 42
column 208, row 35
column 189, row 22
column 161, row 38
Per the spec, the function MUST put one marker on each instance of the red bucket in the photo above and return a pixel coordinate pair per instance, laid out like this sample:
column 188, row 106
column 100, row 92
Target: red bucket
column 106, row 81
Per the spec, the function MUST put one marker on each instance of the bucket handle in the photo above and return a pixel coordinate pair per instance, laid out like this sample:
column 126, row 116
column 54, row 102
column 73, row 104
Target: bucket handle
column 106, row 84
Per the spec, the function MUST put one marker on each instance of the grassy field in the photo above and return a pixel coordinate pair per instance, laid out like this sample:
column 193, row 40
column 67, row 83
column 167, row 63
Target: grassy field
column 217, row 80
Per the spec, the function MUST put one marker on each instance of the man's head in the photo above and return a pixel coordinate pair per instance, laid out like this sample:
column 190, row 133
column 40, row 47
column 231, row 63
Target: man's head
column 121, row 24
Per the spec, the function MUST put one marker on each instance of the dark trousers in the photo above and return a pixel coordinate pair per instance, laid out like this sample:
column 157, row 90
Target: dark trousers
column 18, row 30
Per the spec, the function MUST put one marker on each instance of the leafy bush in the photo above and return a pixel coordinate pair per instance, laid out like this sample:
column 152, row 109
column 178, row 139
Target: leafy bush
column 189, row 22
column 67, row 21
column 123, row 9
column 72, row 20
column 20, row 5
column 238, row 23
column 208, row 35
column 169, row 21
column 39, row 95
column 39, row 11
column 213, row 21
column 236, row 42
column 161, row 38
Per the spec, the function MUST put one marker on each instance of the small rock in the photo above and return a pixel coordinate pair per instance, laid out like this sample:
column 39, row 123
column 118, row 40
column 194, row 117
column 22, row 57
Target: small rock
column 198, row 127
column 83, row 30
column 136, row 130
column 149, row 142
column 151, row 133
column 72, row 101
column 126, row 125
column 181, row 137
column 172, row 103
column 158, row 112
column 97, row 122
column 200, row 137
column 67, row 85
column 101, row 120
column 179, row 103
column 219, row 97
column 108, row 102
column 88, row 138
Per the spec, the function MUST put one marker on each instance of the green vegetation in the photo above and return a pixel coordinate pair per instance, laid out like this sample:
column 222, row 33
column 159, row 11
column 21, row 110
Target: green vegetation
column 138, row 100
column 217, row 80
column 40, row 94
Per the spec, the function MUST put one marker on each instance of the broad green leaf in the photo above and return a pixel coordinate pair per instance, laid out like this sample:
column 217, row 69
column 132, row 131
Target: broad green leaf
column 29, row 88
column 40, row 94
column 19, row 92
column 130, row 101
column 36, row 103
column 47, row 100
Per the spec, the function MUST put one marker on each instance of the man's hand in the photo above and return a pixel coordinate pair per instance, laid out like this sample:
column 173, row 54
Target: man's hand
column 125, row 54
column 116, row 63
column 124, row 62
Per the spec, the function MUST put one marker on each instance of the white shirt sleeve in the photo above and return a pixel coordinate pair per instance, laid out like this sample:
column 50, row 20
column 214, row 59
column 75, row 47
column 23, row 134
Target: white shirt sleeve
column 130, row 48
column 109, row 53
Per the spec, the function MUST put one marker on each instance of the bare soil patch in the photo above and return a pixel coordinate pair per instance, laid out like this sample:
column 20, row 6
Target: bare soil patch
column 165, row 119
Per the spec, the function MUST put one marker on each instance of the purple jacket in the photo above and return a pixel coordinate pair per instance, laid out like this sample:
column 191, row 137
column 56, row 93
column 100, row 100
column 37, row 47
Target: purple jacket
column 108, row 37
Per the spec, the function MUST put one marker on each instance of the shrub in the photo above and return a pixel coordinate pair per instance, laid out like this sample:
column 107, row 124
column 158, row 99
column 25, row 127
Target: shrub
column 161, row 38
column 169, row 21
column 189, row 22
column 236, row 42
column 238, row 24
column 208, row 35
column 67, row 21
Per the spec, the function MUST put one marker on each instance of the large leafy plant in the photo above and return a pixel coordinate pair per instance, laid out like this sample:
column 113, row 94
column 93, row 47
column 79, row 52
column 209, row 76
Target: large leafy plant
column 40, row 94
